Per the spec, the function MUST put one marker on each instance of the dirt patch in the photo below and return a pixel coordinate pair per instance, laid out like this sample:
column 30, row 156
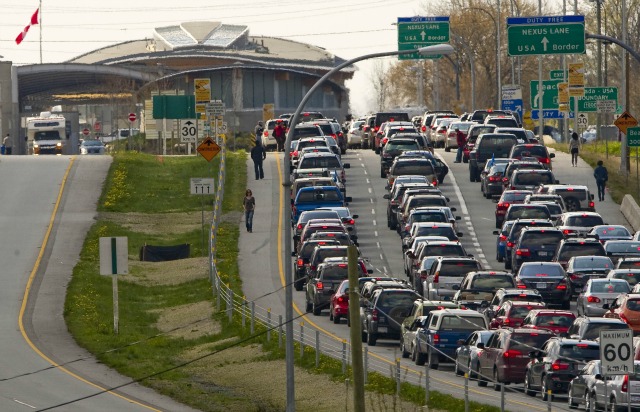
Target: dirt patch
column 157, row 224
column 173, row 272
column 198, row 317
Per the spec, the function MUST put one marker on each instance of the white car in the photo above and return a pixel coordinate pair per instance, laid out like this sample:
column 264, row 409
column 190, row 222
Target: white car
column 354, row 135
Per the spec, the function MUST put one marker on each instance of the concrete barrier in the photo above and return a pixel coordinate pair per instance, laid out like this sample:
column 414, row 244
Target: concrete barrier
column 631, row 211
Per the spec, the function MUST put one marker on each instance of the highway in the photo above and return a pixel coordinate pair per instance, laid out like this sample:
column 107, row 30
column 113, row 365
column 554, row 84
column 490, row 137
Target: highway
column 48, row 204
column 263, row 272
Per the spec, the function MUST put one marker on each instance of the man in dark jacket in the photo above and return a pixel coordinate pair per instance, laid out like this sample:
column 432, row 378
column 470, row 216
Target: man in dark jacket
column 259, row 129
column 601, row 175
column 258, row 154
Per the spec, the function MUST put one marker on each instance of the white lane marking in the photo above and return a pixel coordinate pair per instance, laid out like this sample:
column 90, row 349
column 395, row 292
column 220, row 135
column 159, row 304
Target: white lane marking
column 378, row 245
column 368, row 181
column 486, row 218
column 467, row 218
column 374, row 222
column 476, row 244
column 362, row 164
column 379, row 270
column 370, row 190
column 382, row 258
column 371, row 200
column 385, row 270
column 365, row 172
column 25, row 404
column 375, row 232
column 373, row 211
column 481, row 255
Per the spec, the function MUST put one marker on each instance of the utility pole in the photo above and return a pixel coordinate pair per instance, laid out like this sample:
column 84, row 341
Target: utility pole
column 357, row 363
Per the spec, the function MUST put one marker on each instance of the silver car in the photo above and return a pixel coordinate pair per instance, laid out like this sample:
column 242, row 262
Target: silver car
column 613, row 394
column 597, row 292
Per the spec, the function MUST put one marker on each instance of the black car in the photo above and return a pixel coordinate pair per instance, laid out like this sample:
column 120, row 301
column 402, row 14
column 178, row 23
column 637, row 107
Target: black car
column 617, row 249
column 491, row 183
column 514, row 234
column 553, row 366
column 384, row 313
column 524, row 211
column 319, row 289
column 441, row 168
column 568, row 248
column 549, row 279
column 302, row 260
column 530, row 179
column 582, row 268
column 588, row 328
column 392, row 149
column 395, row 198
column 488, row 146
column 535, row 244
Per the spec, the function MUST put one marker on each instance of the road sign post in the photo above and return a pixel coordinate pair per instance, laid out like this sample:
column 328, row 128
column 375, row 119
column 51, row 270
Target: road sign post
column 114, row 260
column 541, row 35
column 415, row 32
column 588, row 102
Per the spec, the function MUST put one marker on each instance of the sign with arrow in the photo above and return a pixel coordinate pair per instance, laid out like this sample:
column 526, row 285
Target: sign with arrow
column 415, row 32
column 188, row 130
column 625, row 121
column 208, row 149
column 541, row 35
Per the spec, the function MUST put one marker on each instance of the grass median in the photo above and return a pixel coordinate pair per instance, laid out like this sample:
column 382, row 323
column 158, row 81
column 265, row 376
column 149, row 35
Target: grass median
column 170, row 336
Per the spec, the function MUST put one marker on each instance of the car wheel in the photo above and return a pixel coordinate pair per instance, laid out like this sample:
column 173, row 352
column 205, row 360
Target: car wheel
column 482, row 382
column 572, row 205
column 465, row 160
column 418, row 358
column 545, row 395
column 373, row 339
column 403, row 349
column 330, row 313
column 298, row 286
column 473, row 372
column 315, row 309
column 308, row 306
column 591, row 402
column 614, row 405
column 496, row 385
column 336, row 319
column 507, row 263
column 382, row 173
column 566, row 305
column 364, row 335
column 570, row 402
column 433, row 364
column 456, row 369
column 447, row 149
column 527, row 386
column 499, row 258
column 348, row 322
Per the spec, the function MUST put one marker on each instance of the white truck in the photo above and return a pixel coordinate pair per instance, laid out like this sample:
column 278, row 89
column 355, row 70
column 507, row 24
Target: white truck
column 46, row 134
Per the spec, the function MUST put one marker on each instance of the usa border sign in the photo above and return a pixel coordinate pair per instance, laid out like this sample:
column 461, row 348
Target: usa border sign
column 416, row 32
column 541, row 35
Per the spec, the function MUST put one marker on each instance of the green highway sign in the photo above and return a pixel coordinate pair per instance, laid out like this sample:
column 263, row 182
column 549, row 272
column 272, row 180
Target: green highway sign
column 549, row 96
column 633, row 136
column 587, row 103
column 539, row 35
column 558, row 74
column 416, row 32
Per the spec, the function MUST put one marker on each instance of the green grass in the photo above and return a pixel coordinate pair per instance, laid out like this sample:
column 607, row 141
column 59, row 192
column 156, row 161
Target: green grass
column 142, row 183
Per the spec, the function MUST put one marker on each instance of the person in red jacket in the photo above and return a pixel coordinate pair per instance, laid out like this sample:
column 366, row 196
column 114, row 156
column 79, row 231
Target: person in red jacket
column 461, row 141
column 279, row 134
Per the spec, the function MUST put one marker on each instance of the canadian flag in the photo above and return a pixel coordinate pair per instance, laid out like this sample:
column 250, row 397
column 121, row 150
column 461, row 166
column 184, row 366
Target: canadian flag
column 23, row 34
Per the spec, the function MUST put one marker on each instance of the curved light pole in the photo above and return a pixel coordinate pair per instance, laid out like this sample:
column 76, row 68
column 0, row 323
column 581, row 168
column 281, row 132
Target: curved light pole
column 436, row 49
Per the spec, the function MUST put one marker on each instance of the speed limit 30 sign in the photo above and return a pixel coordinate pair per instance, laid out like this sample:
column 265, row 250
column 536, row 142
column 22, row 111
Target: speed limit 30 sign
column 616, row 351
column 188, row 131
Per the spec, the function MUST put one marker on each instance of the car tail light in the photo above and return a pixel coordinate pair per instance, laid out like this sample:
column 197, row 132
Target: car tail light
column 441, row 131
column 503, row 205
column 300, row 262
column 375, row 129
column 342, row 299
column 567, row 232
column 591, row 204
column 294, row 153
column 559, row 366
column 506, row 322
column 423, row 275
column 351, row 222
column 299, row 227
column 511, row 353
column 510, row 244
column 436, row 277
column 434, row 182
column 593, row 299
column 625, row 383
column 562, row 285
column 423, row 128
column 319, row 286
column 523, row 252
column 503, row 238
column 385, row 140
column 362, row 267
column 521, row 285
column 573, row 276
column 436, row 339
column 374, row 315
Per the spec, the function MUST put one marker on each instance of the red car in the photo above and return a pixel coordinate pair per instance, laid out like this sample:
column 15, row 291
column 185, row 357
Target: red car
column 339, row 304
column 511, row 313
column 556, row 321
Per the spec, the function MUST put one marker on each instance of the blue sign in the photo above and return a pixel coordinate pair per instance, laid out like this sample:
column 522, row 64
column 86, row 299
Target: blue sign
column 550, row 114
column 515, row 105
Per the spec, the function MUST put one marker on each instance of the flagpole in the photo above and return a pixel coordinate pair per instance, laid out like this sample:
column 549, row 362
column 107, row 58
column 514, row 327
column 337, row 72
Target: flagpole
column 40, row 17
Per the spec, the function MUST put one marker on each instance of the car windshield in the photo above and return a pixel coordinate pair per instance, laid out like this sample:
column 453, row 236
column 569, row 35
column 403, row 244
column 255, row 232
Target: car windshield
column 523, row 297
column 612, row 231
column 580, row 351
column 530, row 150
column 533, row 179
column 503, row 122
column 311, row 143
column 92, row 143
column 412, row 168
column 444, row 250
column 580, row 250
column 528, row 212
column 575, row 193
column 541, row 238
column 396, row 299
column 597, row 262
column 594, row 330
column 401, row 145
column 609, row 287
column 631, row 277
column 318, row 196
column 331, row 252
column 623, row 247
column 493, row 282
column 428, row 217
column 330, row 162
column 457, row 269
column 421, row 201
column 526, row 342
column 445, row 231
column 584, row 221
column 554, row 320
column 335, row 272
column 519, row 311
column 514, row 196
column 462, row 323
column 538, row 271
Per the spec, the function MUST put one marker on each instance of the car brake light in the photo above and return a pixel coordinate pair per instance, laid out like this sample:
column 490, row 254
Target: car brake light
column 511, row 353
column 521, row 285
column 300, row 262
column 434, row 182
column 593, row 299
column 342, row 265
column 503, row 205
column 591, row 204
column 573, row 276
column 625, row 383
column 342, row 299
column 562, row 285
column 374, row 315
column 510, row 244
column 503, row 238
column 523, row 252
column 424, row 128
column 436, row 277
column 543, row 160
column 319, row 286
column 559, row 366
column 507, row 321
column 436, row 339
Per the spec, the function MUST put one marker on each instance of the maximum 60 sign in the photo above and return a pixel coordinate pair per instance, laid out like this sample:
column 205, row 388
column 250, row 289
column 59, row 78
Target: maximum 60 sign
column 616, row 351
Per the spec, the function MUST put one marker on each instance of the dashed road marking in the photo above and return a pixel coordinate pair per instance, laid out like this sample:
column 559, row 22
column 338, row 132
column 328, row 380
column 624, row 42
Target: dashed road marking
column 476, row 244
column 378, row 245
column 384, row 268
column 365, row 172
column 374, row 222
column 368, row 181
column 373, row 211
column 371, row 200
column 370, row 190
column 382, row 258
column 375, row 232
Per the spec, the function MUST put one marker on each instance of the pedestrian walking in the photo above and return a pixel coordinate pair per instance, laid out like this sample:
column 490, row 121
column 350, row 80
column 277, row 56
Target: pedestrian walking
column 574, row 146
column 258, row 154
column 249, row 205
column 6, row 142
column 602, row 176
column 258, row 130
column 461, row 141
column 279, row 133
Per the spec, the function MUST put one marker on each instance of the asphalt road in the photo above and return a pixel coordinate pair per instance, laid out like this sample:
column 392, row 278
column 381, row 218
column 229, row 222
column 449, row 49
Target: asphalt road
column 38, row 250
column 262, row 263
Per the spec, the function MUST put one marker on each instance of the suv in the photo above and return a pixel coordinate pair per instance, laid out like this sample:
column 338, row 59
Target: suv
column 501, row 120
column 396, row 196
column 320, row 253
column 505, row 355
column 529, row 179
column 578, row 223
column 392, row 149
column 487, row 281
column 588, row 328
column 480, row 115
column 324, row 285
column 382, row 117
column 514, row 234
column 368, row 131
column 419, row 311
column 384, row 314
column 520, row 132
column 539, row 151
column 522, row 211
column 306, row 130
column 582, row 268
column 333, row 129
column 535, row 244
column 549, row 279
column 302, row 260
column 568, row 248
column 412, row 166
column 472, row 136
column 511, row 313
column 553, row 320
column 508, row 294
column 552, row 367
column 508, row 198
column 519, row 164
column 576, row 197
column 446, row 274
column 488, row 146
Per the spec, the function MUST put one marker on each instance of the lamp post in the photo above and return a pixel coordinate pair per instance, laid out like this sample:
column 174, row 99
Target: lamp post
column 437, row 49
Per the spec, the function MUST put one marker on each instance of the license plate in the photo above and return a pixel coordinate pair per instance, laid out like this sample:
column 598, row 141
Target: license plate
column 541, row 285
column 543, row 254
column 382, row 329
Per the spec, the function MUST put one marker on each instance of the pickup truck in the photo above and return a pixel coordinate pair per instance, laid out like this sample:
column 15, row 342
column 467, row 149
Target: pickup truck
column 314, row 197
column 438, row 341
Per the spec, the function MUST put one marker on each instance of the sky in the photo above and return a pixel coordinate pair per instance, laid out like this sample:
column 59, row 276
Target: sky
column 345, row 28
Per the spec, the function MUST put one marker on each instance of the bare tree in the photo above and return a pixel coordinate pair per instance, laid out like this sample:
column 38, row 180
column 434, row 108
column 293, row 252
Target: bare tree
column 381, row 86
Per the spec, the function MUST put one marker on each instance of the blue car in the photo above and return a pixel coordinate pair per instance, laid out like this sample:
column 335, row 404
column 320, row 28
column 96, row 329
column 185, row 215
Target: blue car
column 501, row 240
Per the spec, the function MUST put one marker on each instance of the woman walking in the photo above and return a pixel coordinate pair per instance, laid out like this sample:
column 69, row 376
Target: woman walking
column 249, row 205
column 574, row 145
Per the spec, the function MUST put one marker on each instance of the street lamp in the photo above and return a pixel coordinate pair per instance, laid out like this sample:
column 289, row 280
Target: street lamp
column 436, row 49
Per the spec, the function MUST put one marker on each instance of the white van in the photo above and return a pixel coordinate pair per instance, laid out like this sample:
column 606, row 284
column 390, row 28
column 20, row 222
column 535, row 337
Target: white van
column 120, row 134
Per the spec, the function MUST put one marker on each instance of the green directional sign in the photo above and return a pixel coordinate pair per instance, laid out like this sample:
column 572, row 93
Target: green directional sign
column 633, row 136
column 588, row 102
column 549, row 96
column 540, row 35
column 416, row 32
